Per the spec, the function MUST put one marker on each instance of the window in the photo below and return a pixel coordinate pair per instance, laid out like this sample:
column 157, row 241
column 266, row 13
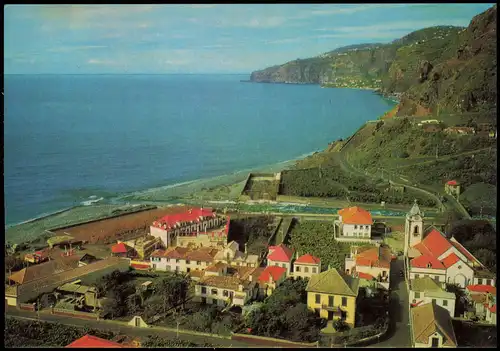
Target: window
column 415, row 230
column 203, row 290
column 168, row 259
column 436, row 277
column 330, row 301
column 198, row 263
column 435, row 342
column 283, row 265
column 355, row 226
column 177, row 261
column 417, row 275
column 480, row 281
column 225, row 293
column 417, row 295
column 214, row 291
column 188, row 270
column 344, row 301
column 318, row 298
column 297, row 268
column 306, row 269
column 314, row 269
column 188, row 261
column 445, row 302
column 488, row 281
column 433, row 300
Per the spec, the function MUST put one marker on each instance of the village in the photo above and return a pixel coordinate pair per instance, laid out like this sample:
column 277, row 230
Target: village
column 185, row 263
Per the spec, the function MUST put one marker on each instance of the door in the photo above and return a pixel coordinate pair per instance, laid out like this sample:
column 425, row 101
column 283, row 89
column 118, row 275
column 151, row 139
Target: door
column 330, row 315
column 435, row 342
column 137, row 322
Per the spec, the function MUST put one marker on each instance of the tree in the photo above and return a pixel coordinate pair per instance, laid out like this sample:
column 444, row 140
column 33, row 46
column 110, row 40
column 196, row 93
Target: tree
column 340, row 325
column 173, row 290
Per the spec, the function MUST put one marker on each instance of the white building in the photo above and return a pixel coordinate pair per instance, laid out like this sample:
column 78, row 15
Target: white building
column 427, row 290
column 182, row 259
column 354, row 224
column 431, row 327
column 305, row 266
column 432, row 254
column 280, row 256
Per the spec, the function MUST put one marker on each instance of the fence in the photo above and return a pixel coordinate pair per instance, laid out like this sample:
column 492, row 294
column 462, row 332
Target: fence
column 265, row 341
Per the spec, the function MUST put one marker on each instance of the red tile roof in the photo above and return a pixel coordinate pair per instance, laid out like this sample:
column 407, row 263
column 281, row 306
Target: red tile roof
column 190, row 215
column 280, row 253
column 176, row 252
column 158, row 253
column 426, row 261
column 274, row 271
column 93, row 341
column 355, row 215
column 466, row 253
column 119, row 248
column 493, row 309
column 435, row 243
column 308, row 259
column 374, row 257
column 366, row 276
column 452, row 182
column 450, row 260
column 482, row 289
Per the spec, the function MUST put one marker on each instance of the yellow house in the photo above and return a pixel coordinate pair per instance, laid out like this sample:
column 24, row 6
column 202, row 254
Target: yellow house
column 333, row 295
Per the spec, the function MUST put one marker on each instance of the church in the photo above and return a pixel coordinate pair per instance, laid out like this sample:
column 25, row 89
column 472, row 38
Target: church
column 431, row 254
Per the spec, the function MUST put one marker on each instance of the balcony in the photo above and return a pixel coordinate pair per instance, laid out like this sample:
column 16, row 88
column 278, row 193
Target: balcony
column 334, row 309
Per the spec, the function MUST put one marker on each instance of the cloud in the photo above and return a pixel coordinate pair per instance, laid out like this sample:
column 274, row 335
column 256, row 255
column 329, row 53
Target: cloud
column 283, row 41
column 75, row 48
column 102, row 62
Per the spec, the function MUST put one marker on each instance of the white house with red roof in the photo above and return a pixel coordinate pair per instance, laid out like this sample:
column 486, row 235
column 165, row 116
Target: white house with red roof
column 438, row 257
column 482, row 299
column 200, row 226
column 353, row 224
column 305, row 266
column 281, row 256
column 452, row 188
column 270, row 278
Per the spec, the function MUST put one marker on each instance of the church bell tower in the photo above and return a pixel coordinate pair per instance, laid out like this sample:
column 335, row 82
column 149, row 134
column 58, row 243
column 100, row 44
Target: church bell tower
column 414, row 227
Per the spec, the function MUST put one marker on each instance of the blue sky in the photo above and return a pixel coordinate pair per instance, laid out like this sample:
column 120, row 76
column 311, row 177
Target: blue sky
column 230, row 38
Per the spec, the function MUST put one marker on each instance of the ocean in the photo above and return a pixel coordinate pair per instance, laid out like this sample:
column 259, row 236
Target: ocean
column 73, row 138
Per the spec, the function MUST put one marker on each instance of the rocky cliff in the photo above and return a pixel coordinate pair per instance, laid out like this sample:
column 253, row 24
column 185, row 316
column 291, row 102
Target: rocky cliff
column 436, row 69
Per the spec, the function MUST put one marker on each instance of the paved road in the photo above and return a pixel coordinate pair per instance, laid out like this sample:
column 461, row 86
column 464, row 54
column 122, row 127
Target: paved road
column 122, row 329
column 399, row 331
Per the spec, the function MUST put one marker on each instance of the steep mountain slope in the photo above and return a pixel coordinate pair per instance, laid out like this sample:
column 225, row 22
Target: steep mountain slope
column 441, row 69
column 463, row 76
column 361, row 65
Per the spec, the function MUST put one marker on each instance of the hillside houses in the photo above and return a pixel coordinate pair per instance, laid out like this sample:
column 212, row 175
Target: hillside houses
column 353, row 225
column 372, row 265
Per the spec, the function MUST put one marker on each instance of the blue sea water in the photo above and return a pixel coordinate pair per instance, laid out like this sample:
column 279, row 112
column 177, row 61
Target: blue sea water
column 67, row 137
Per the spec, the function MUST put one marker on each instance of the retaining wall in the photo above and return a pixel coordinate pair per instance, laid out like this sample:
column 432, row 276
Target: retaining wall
column 75, row 314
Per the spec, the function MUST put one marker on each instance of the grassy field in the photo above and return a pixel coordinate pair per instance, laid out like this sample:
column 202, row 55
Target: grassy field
column 395, row 240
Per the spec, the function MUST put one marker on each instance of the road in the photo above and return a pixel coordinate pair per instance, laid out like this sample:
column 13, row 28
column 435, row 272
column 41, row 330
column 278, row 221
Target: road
column 126, row 330
column 399, row 331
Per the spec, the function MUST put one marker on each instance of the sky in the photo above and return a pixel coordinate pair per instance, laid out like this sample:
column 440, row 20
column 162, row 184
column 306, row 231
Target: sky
column 210, row 38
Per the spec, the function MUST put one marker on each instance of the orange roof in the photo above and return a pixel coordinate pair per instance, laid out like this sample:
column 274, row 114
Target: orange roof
column 274, row 271
column 280, row 253
column 482, row 289
column 374, row 257
column 366, row 276
column 426, row 261
column 93, row 341
column 450, row 260
column 119, row 248
column 308, row 259
column 355, row 215
column 493, row 309
column 435, row 244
